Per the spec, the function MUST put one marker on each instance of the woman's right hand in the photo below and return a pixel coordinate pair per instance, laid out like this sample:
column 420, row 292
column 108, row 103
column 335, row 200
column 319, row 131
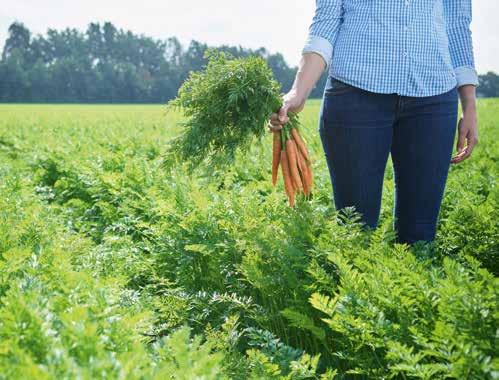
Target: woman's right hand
column 292, row 102
column 311, row 67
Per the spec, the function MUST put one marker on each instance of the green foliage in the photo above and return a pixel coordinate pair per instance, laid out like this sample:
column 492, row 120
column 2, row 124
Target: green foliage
column 112, row 267
column 189, row 359
column 226, row 106
column 105, row 64
column 477, row 237
column 396, row 314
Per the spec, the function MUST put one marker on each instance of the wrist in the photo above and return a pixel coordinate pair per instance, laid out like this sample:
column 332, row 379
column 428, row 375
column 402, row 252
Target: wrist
column 309, row 71
column 299, row 94
column 469, row 109
column 467, row 95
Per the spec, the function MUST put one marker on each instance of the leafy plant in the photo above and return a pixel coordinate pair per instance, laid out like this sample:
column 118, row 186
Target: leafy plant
column 112, row 267
column 225, row 107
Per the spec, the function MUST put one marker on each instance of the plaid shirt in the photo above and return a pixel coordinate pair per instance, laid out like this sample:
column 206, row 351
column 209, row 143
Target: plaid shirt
column 409, row 47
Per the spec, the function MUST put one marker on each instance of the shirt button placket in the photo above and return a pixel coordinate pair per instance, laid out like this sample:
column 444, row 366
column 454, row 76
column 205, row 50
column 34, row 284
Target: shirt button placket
column 405, row 52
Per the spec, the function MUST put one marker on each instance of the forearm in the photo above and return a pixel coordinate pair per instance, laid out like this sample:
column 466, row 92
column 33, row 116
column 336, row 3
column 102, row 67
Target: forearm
column 311, row 68
column 467, row 94
column 317, row 52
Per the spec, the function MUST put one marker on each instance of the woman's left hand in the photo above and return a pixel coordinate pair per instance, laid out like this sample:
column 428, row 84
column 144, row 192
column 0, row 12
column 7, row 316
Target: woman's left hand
column 467, row 138
column 468, row 125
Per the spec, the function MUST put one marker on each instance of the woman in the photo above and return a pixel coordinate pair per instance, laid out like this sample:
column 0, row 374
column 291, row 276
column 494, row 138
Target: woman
column 395, row 71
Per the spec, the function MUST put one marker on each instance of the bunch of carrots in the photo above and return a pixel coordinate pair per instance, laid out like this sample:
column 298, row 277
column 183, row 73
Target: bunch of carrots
column 226, row 104
column 290, row 152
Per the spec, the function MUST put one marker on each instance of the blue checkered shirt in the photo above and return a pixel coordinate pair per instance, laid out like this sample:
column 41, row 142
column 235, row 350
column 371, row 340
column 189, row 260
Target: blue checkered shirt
column 408, row 47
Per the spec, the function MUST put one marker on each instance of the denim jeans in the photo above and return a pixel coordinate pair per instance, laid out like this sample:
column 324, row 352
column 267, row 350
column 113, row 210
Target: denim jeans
column 359, row 130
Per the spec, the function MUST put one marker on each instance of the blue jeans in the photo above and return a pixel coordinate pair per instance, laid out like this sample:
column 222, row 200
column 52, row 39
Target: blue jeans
column 359, row 129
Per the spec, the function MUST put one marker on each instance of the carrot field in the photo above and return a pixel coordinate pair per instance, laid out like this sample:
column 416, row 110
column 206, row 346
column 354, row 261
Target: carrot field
column 117, row 265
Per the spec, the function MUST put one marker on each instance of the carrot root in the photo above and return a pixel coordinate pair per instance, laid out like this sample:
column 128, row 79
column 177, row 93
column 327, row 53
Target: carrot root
column 293, row 164
column 300, row 144
column 286, row 175
column 276, row 155
column 305, row 173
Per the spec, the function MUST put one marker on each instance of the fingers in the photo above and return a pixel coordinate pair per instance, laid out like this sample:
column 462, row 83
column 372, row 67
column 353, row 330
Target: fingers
column 283, row 114
column 461, row 143
column 466, row 152
column 274, row 127
column 466, row 142
column 471, row 145
column 458, row 157
column 461, row 139
column 277, row 120
column 274, row 119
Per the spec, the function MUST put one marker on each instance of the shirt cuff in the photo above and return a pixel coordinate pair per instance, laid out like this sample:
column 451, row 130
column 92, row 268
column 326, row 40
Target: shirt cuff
column 321, row 46
column 466, row 75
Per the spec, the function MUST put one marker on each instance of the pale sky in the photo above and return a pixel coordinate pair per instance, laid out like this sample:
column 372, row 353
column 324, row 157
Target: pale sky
column 278, row 25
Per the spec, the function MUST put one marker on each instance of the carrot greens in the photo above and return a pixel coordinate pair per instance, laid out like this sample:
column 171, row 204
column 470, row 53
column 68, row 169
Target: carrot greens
column 226, row 106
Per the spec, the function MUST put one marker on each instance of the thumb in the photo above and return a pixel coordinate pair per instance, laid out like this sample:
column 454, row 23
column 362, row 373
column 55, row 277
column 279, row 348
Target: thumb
column 283, row 113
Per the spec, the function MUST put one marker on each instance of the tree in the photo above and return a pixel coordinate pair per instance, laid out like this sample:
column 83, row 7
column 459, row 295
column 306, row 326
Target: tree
column 18, row 39
column 13, row 78
column 489, row 85
column 281, row 70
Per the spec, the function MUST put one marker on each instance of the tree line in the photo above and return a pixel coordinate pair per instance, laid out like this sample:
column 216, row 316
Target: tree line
column 105, row 64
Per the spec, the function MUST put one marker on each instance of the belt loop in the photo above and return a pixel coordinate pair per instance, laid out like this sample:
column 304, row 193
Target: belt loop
column 398, row 106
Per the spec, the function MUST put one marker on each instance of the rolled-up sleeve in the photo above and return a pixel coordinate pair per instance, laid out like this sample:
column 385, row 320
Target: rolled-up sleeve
column 324, row 28
column 458, row 14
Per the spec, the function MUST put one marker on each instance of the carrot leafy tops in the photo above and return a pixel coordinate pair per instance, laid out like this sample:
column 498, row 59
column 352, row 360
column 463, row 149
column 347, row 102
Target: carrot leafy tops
column 225, row 105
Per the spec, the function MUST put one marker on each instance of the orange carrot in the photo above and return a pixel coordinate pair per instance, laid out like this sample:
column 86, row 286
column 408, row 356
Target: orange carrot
column 292, row 199
column 293, row 164
column 276, row 156
column 307, row 165
column 288, row 183
column 300, row 143
column 305, row 174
